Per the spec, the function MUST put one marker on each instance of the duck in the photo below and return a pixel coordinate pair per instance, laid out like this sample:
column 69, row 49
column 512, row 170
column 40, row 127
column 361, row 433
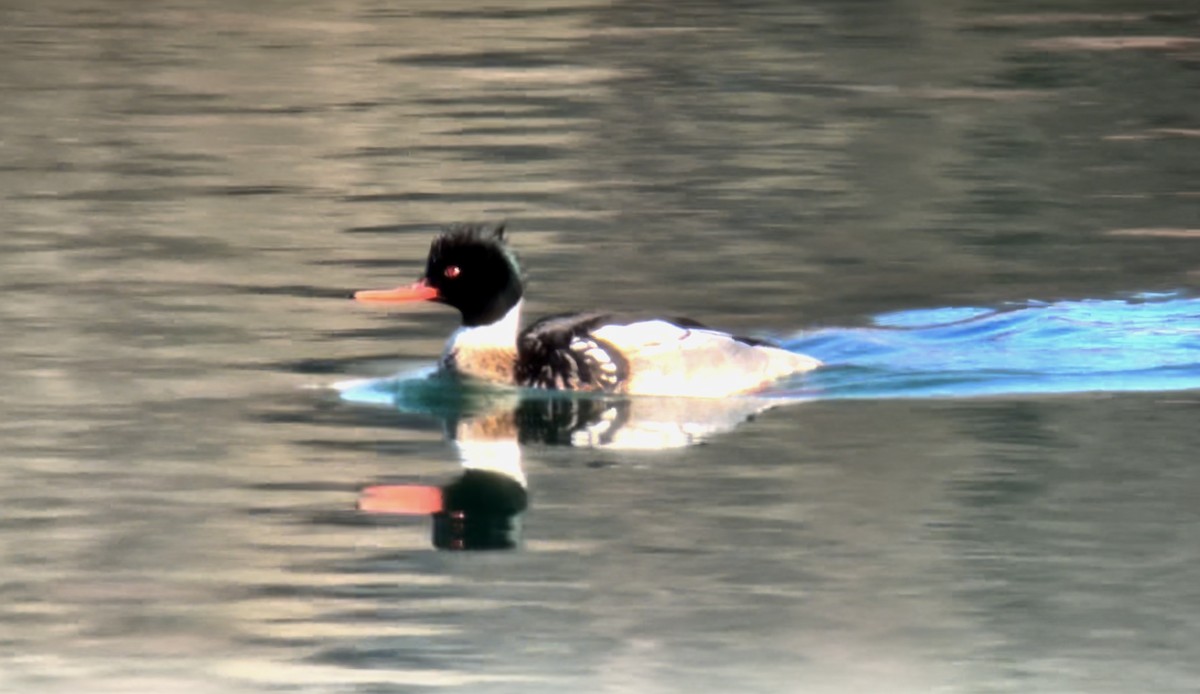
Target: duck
column 470, row 267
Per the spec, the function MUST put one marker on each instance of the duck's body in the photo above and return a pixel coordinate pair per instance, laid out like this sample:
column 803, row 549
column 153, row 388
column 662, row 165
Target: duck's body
column 471, row 269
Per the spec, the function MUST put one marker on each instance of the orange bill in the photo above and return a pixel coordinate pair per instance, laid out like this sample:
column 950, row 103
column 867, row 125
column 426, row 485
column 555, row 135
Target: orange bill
column 419, row 291
column 401, row 499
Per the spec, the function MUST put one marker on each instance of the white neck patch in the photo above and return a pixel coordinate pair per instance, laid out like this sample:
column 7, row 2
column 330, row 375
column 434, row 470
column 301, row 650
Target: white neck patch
column 501, row 456
column 499, row 335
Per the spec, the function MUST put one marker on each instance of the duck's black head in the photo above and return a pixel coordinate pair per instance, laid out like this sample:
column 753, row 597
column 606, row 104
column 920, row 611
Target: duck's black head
column 470, row 268
column 475, row 272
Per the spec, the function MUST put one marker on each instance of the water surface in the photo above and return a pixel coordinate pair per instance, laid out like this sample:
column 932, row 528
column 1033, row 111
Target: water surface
column 191, row 190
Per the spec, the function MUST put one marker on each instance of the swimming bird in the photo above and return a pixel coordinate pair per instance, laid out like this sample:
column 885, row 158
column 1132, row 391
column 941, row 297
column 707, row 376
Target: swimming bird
column 471, row 268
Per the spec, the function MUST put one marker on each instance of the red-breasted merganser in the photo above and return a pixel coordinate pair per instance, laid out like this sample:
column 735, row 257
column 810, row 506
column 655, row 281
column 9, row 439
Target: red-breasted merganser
column 471, row 268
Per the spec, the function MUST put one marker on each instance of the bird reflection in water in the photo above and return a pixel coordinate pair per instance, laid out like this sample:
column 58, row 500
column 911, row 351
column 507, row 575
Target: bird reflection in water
column 482, row 508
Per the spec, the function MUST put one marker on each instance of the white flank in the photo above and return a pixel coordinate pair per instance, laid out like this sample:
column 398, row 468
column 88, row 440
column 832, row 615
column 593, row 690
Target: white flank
column 666, row 359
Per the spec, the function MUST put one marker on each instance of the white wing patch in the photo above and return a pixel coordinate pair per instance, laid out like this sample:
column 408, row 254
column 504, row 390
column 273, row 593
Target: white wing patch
column 643, row 334
column 592, row 350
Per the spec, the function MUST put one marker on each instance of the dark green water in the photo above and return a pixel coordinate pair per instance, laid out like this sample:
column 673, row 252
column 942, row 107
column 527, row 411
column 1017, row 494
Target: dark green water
column 188, row 192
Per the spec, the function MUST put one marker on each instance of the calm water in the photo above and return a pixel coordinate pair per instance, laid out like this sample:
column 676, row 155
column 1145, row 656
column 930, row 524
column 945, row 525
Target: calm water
column 189, row 191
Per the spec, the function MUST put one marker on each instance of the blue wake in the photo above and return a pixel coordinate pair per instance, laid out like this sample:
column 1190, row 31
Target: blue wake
column 1150, row 342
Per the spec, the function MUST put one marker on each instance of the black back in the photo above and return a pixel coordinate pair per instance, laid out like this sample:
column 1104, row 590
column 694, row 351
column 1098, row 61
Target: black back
column 559, row 353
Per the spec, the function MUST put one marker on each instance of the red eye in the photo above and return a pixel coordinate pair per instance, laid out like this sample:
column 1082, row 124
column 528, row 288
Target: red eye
column 452, row 271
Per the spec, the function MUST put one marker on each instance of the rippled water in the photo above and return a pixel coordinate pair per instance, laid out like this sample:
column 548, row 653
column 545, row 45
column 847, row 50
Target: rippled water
column 993, row 205
column 1151, row 343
